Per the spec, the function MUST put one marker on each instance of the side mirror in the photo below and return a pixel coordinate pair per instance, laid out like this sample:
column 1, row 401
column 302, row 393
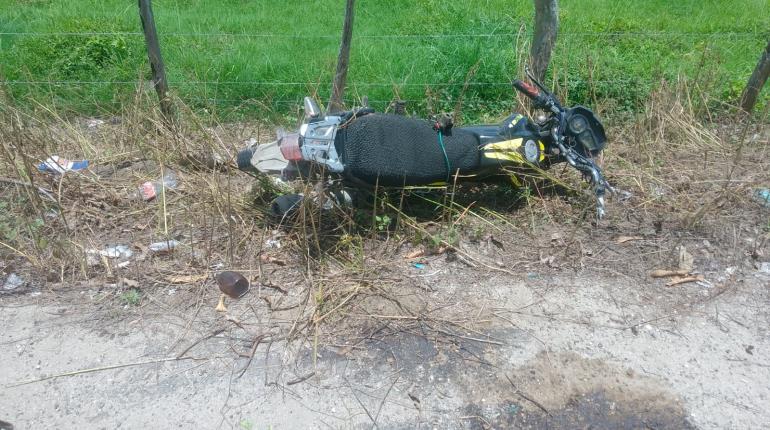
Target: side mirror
column 311, row 108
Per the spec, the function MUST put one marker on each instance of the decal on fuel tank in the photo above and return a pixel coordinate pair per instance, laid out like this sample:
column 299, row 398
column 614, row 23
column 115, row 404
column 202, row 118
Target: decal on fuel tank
column 510, row 150
column 515, row 120
column 505, row 150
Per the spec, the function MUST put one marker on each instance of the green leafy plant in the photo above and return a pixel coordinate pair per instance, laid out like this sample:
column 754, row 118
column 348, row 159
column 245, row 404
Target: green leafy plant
column 382, row 222
column 131, row 297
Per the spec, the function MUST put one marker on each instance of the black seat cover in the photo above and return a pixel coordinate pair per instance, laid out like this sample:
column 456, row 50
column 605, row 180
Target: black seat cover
column 402, row 151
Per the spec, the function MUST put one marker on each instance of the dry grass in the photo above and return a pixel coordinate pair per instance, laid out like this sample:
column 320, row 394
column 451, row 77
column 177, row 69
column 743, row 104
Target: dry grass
column 338, row 277
column 690, row 172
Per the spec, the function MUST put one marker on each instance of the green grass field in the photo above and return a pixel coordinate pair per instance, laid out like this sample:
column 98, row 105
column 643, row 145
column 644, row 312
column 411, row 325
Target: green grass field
column 253, row 56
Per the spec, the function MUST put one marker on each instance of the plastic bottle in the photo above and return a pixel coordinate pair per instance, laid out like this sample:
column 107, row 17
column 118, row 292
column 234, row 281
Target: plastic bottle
column 164, row 247
column 762, row 195
column 151, row 189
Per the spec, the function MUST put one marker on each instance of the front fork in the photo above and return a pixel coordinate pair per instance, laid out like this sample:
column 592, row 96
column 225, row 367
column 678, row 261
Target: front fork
column 601, row 186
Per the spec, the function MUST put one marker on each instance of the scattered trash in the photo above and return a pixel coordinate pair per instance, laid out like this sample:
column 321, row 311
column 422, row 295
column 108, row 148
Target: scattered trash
column 418, row 266
column 12, row 282
column 533, row 276
column 273, row 243
column 165, row 247
column 684, row 280
column 187, row 279
column 151, row 189
column 663, row 273
column 764, row 268
column 59, row 165
column 658, row 191
column 415, row 254
column 93, row 123
column 233, row 285
column 117, row 251
column 123, row 264
column 269, row 259
column 623, row 239
column 762, row 195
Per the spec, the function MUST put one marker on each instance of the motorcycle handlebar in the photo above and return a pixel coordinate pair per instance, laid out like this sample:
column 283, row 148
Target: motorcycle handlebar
column 526, row 89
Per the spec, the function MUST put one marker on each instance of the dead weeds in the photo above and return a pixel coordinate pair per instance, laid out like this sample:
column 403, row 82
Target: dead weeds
column 337, row 279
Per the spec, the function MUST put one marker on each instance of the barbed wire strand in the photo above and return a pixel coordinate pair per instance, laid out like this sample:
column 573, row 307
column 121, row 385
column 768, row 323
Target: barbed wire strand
column 277, row 84
column 388, row 36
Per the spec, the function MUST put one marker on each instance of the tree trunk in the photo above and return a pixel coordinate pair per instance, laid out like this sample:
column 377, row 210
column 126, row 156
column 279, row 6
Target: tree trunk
column 544, row 38
column 156, row 60
column 756, row 81
column 340, row 77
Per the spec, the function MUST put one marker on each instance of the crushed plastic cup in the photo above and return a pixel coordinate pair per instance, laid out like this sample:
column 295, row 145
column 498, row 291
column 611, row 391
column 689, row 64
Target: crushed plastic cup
column 762, row 195
column 764, row 268
column 151, row 189
column 59, row 165
column 117, row 251
column 94, row 123
column 13, row 281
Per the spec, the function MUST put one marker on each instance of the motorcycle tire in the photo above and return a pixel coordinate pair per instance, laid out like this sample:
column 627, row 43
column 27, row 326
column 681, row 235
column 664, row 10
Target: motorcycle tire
column 244, row 159
column 285, row 205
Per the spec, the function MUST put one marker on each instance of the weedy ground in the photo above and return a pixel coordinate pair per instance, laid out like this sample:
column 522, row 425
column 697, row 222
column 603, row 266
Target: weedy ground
column 337, row 280
column 680, row 178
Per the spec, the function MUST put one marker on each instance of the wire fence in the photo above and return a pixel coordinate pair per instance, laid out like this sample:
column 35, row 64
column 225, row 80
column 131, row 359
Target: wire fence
column 727, row 34
column 304, row 84
column 197, row 90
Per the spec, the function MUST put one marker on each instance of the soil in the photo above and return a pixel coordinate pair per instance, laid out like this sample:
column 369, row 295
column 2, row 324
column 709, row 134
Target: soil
column 567, row 350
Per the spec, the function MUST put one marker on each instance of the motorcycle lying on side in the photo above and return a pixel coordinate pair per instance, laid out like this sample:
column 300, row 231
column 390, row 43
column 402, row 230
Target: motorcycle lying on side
column 364, row 149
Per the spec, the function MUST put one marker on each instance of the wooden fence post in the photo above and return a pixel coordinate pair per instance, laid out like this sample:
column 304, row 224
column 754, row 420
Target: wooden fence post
column 156, row 60
column 544, row 36
column 756, row 81
column 340, row 77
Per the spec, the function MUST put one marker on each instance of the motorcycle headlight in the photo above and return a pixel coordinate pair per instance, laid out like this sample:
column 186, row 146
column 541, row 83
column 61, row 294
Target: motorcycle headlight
column 532, row 151
column 578, row 124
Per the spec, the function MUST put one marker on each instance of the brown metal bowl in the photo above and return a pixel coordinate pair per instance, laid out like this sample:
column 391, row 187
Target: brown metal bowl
column 232, row 284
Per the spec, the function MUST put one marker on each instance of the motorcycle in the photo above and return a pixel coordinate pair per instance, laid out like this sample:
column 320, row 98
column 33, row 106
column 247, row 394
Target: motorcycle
column 362, row 148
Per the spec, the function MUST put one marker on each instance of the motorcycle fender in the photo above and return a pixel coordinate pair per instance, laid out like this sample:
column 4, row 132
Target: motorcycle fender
column 512, row 151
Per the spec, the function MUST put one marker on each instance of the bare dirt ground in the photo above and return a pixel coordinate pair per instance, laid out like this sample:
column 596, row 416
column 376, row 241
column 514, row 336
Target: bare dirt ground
column 558, row 348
